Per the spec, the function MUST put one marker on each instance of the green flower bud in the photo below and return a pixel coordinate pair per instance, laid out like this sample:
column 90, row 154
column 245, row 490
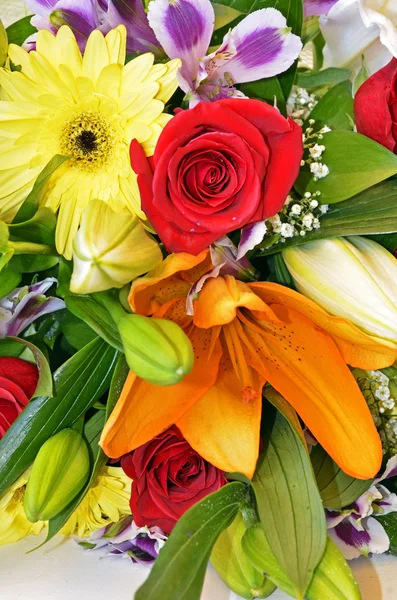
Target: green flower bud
column 156, row 350
column 235, row 568
column 59, row 472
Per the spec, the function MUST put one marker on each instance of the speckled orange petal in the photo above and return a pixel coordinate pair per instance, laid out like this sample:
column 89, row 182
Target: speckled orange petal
column 172, row 278
column 145, row 410
column 358, row 349
column 304, row 364
column 219, row 299
column 223, row 426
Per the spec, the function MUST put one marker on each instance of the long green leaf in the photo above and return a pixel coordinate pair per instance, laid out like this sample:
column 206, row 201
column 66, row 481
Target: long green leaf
column 40, row 229
column 332, row 578
column 330, row 76
column 337, row 489
column 335, row 108
column 78, row 384
column 178, row 573
column 371, row 212
column 289, row 504
column 93, row 312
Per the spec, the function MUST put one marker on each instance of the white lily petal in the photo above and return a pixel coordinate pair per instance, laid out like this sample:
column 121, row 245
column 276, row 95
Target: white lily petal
column 384, row 15
column 388, row 503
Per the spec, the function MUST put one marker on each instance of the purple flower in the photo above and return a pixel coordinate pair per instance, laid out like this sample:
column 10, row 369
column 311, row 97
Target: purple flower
column 261, row 45
column 317, row 7
column 26, row 304
column 354, row 530
column 83, row 16
column 125, row 538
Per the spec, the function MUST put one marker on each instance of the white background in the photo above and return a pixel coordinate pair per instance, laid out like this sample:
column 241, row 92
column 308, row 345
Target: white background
column 63, row 571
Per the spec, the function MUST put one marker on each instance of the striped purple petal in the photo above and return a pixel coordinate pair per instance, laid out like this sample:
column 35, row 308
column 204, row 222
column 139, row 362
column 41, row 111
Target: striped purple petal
column 251, row 236
column 41, row 7
column 184, row 29
column 317, row 7
column 131, row 14
column 391, row 469
column 354, row 540
column 81, row 16
column 261, row 45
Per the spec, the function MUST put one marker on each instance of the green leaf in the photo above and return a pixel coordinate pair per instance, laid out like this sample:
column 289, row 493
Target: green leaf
column 65, row 270
column 279, row 272
column 44, row 385
column 90, row 310
column 269, row 90
column 355, row 164
column 78, row 384
column 77, row 333
column 9, row 280
column 330, row 76
column 40, row 229
column 178, row 573
column 332, row 578
column 19, row 31
column 335, row 109
column 387, row 241
column 289, row 504
column 371, row 212
column 337, row 489
column 92, row 432
column 389, row 522
column 33, row 200
column 31, row 263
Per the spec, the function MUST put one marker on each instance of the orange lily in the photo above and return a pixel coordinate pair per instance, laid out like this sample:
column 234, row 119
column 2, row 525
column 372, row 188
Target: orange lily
column 243, row 336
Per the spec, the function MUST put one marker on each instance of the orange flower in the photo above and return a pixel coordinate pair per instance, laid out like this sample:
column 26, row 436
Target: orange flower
column 244, row 335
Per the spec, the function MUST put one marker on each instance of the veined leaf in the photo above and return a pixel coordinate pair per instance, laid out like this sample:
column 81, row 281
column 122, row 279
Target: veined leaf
column 178, row 573
column 78, row 384
column 337, row 489
column 330, row 76
column 335, row 108
column 289, row 504
column 332, row 578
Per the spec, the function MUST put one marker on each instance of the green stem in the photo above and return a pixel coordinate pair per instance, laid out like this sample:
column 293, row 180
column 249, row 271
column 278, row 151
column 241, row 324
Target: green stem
column 31, row 248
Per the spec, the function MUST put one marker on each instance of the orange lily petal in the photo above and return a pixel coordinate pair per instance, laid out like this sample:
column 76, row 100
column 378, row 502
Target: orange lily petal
column 357, row 348
column 219, row 299
column 172, row 278
column 145, row 410
column 304, row 364
column 223, row 426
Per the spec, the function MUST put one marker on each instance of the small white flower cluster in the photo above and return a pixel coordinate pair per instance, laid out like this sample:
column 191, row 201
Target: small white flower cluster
column 297, row 217
column 380, row 392
column 300, row 104
column 315, row 150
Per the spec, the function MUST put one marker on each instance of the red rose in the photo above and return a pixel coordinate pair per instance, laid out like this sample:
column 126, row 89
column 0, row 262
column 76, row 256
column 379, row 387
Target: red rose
column 168, row 478
column 18, row 381
column 217, row 167
column 375, row 107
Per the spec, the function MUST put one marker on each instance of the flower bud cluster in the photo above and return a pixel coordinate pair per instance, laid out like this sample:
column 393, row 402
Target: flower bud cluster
column 380, row 391
column 300, row 104
column 314, row 150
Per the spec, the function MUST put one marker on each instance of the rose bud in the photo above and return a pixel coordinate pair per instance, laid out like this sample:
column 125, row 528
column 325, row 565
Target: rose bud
column 110, row 250
column 156, row 350
column 351, row 277
column 233, row 566
column 375, row 107
column 59, row 472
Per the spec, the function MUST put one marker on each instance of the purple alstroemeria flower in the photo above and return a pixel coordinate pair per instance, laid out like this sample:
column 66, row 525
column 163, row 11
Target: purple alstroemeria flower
column 353, row 528
column 26, row 304
column 317, row 7
column 261, row 45
column 83, row 16
column 139, row 544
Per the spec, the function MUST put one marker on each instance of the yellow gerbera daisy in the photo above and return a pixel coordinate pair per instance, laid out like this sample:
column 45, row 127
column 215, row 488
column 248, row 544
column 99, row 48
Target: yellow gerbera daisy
column 105, row 502
column 88, row 108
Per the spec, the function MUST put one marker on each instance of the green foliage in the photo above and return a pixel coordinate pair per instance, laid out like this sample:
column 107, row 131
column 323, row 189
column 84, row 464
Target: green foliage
column 335, row 108
column 19, row 31
column 389, row 522
column 315, row 79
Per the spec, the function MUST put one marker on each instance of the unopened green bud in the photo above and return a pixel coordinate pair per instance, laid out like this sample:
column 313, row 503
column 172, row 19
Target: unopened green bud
column 57, row 19
column 59, row 472
column 235, row 568
column 156, row 350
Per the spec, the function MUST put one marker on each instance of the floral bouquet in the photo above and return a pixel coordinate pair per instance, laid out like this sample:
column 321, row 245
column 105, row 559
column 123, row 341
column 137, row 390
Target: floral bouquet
column 198, row 285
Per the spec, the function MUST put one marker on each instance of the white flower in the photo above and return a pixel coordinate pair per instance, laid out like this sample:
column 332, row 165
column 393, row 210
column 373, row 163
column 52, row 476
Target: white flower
column 296, row 209
column 324, row 208
column 319, row 170
column 307, row 221
column 316, row 223
column 287, row 230
column 356, row 30
column 313, row 204
column 316, row 151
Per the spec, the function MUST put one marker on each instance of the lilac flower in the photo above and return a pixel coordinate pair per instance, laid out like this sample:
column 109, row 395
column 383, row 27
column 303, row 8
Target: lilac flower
column 26, row 304
column 354, row 530
column 140, row 544
column 83, row 16
column 261, row 45
column 317, row 7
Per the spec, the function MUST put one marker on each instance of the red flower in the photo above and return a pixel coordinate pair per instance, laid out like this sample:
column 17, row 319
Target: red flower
column 375, row 107
column 18, row 381
column 217, row 167
column 168, row 478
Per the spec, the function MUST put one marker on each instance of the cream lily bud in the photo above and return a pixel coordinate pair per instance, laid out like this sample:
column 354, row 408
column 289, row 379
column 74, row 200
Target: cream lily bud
column 60, row 470
column 351, row 277
column 110, row 249
column 156, row 350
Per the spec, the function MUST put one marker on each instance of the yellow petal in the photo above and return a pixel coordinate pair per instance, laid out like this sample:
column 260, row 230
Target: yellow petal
column 168, row 82
column 96, row 55
column 116, row 41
